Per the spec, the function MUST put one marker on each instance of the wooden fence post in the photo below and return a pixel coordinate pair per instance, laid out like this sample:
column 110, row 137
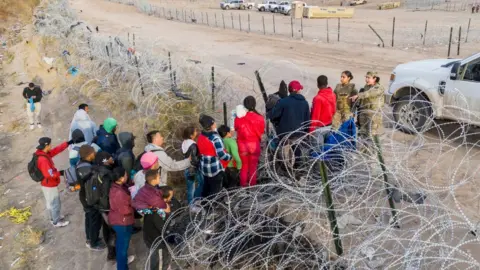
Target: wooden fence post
column 301, row 26
column 232, row 21
column 216, row 24
column 425, row 32
column 328, row 38
column 393, row 32
column 468, row 29
column 263, row 20
column 459, row 39
column 240, row 22
column 249, row 22
column 291, row 24
column 274, row 30
column 225, row 121
column 223, row 18
column 338, row 32
column 213, row 88
column 450, row 42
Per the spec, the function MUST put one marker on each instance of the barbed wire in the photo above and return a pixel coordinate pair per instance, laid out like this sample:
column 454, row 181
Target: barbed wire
column 285, row 222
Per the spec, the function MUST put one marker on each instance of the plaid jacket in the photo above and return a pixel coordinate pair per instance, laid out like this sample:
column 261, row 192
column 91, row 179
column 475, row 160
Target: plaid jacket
column 211, row 150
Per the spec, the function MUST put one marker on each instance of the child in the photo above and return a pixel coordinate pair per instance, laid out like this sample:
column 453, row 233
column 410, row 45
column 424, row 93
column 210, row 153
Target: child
column 154, row 205
column 234, row 166
column 211, row 150
column 149, row 161
column 121, row 217
column 190, row 149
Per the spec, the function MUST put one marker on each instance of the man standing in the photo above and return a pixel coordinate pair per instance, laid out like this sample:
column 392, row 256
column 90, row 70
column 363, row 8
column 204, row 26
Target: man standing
column 167, row 164
column 51, row 177
column 212, row 151
column 81, row 120
column 33, row 95
column 323, row 109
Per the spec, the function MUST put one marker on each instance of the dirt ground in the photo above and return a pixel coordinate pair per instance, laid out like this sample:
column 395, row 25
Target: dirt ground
column 276, row 57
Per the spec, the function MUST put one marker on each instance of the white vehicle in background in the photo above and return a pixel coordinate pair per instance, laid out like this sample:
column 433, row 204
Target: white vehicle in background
column 287, row 9
column 425, row 90
column 275, row 8
column 236, row 4
column 264, row 6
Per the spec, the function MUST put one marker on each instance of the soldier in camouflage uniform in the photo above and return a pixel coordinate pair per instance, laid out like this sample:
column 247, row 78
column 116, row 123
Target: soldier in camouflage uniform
column 344, row 91
column 371, row 101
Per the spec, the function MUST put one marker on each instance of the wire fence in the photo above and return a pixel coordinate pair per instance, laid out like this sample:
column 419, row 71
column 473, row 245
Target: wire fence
column 410, row 202
column 395, row 33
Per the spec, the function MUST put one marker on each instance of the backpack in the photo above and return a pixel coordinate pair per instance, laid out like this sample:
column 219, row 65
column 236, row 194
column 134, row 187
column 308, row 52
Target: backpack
column 97, row 189
column 137, row 166
column 71, row 173
column 33, row 169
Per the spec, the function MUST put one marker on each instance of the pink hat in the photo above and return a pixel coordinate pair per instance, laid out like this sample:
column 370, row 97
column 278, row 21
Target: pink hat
column 148, row 160
column 294, row 86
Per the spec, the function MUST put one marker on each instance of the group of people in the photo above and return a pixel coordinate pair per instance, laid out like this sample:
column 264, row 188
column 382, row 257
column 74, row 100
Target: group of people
column 116, row 187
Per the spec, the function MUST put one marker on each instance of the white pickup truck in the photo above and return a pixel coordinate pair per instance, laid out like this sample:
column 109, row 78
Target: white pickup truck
column 264, row 6
column 236, row 4
column 287, row 9
column 275, row 8
column 422, row 91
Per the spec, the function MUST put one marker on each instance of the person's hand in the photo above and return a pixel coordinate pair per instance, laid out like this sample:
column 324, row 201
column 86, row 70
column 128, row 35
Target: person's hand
column 70, row 142
column 167, row 210
column 62, row 172
column 353, row 98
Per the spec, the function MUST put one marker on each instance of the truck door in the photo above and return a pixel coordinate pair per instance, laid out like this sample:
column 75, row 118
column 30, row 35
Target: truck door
column 462, row 95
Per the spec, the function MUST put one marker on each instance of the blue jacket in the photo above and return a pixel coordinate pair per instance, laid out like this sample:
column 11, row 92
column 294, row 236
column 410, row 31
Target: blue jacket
column 107, row 141
column 291, row 113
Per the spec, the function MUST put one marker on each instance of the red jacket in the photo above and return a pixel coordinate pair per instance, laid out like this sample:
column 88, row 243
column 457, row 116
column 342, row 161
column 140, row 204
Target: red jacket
column 121, row 210
column 323, row 108
column 250, row 128
column 47, row 167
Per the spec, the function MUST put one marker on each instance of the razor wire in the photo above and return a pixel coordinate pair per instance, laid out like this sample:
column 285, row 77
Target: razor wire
column 283, row 222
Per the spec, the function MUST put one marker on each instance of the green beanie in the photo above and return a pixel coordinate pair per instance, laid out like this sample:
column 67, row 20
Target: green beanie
column 109, row 124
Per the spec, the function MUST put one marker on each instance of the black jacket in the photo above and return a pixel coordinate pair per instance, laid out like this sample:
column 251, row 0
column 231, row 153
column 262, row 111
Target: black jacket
column 152, row 229
column 83, row 174
column 124, row 156
column 108, row 178
column 291, row 113
column 37, row 92
column 195, row 154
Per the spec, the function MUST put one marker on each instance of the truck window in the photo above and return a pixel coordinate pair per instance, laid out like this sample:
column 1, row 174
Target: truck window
column 470, row 71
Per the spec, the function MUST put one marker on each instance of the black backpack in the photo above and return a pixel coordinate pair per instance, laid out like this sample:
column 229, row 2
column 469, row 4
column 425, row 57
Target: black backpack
column 138, row 166
column 97, row 189
column 33, row 169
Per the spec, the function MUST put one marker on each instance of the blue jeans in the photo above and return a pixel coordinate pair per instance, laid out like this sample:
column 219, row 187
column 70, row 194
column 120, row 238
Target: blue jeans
column 123, row 235
column 192, row 192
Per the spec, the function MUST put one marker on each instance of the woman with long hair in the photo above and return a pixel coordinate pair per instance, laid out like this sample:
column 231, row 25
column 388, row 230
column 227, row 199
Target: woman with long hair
column 343, row 92
column 250, row 129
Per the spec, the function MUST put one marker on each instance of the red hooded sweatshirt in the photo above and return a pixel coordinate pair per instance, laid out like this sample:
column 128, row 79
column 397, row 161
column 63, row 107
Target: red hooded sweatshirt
column 323, row 108
column 47, row 167
column 250, row 128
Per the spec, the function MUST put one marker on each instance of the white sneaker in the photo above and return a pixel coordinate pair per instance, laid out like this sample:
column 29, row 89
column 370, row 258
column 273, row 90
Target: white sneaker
column 61, row 223
column 131, row 258
column 32, row 126
column 39, row 126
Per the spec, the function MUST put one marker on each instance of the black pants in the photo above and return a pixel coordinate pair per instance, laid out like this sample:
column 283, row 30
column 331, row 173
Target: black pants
column 93, row 224
column 213, row 185
column 232, row 178
column 155, row 259
column 108, row 236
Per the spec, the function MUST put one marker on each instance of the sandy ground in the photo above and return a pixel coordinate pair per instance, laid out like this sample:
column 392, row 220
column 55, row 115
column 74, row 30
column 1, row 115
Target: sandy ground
column 276, row 57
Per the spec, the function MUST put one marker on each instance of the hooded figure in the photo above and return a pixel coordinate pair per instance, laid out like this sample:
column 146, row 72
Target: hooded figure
column 274, row 98
column 291, row 113
column 124, row 156
column 78, row 140
column 106, row 138
column 81, row 120
column 250, row 129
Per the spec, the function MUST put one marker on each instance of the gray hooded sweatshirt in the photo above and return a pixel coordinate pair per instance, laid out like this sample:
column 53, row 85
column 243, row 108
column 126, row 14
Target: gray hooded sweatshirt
column 167, row 163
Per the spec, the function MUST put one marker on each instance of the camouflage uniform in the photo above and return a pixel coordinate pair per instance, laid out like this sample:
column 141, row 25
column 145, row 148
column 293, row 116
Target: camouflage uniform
column 371, row 101
column 344, row 104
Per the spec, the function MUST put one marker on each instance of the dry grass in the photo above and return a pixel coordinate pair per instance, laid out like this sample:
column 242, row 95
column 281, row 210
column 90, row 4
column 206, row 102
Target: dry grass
column 8, row 57
column 18, row 10
column 30, row 237
column 15, row 126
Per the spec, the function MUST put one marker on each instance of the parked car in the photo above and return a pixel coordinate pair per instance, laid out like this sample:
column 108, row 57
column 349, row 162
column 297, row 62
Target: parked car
column 275, row 8
column 287, row 9
column 264, row 6
column 236, row 4
column 422, row 91
column 357, row 2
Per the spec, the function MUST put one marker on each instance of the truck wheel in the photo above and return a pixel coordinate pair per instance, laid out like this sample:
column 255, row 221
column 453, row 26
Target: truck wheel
column 242, row 7
column 413, row 114
column 227, row 7
column 275, row 10
column 250, row 7
column 262, row 9
column 289, row 13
